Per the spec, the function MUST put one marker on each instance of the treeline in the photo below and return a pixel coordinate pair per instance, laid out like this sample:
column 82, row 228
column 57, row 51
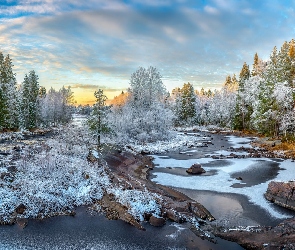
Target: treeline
column 260, row 99
column 29, row 105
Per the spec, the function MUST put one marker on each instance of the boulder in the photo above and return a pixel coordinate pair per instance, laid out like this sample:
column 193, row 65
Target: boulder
column 281, row 193
column 157, row 221
column 20, row 209
column 196, row 169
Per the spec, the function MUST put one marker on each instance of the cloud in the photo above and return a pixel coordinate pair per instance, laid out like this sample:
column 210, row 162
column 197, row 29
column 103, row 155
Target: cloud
column 100, row 43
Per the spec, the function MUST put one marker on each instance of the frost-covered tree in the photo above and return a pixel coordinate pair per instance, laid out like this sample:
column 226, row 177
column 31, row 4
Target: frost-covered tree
column 184, row 105
column 242, row 112
column 55, row 106
column 144, row 117
column 30, row 101
column 97, row 120
column 9, row 101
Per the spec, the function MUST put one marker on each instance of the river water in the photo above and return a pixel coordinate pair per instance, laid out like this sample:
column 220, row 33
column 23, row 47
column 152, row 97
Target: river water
column 232, row 203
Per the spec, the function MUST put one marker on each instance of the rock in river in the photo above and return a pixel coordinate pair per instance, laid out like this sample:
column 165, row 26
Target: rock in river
column 157, row 221
column 196, row 169
column 281, row 193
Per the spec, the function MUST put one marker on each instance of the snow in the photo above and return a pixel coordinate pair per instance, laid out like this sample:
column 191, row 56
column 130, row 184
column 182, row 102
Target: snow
column 176, row 142
column 239, row 141
column 53, row 176
column 162, row 162
column 222, row 182
column 140, row 202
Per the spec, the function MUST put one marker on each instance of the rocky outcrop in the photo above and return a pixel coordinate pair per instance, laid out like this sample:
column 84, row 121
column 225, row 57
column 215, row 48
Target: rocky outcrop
column 131, row 172
column 281, row 193
column 115, row 210
column 196, row 169
column 280, row 237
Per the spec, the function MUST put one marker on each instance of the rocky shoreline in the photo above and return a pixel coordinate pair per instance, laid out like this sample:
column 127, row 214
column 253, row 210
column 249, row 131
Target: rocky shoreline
column 134, row 169
column 131, row 171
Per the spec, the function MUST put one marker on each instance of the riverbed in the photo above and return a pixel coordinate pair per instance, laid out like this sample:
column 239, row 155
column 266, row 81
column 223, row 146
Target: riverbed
column 232, row 202
column 232, row 188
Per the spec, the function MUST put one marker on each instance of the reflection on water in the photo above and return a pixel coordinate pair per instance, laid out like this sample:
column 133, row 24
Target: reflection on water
column 85, row 231
column 228, row 210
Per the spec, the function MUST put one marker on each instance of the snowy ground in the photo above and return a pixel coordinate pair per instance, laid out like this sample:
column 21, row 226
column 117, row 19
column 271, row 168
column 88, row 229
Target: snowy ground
column 177, row 141
column 52, row 176
column 222, row 180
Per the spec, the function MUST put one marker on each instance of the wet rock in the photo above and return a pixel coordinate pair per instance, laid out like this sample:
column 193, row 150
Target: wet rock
column 20, row 209
column 22, row 222
column 196, row 169
column 280, row 237
column 145, row 152
column 282, row 194
column 200, row 211
column 175, row 216
column 239, row 178
column 157, row 221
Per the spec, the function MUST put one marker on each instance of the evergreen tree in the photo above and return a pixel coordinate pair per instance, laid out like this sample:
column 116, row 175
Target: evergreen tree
column 9, row 100
column 255, row 68
column 188, row 104
column 241, row 111
column 97, row 120
column 3, row 110
column 228, row 81
column 30, row 100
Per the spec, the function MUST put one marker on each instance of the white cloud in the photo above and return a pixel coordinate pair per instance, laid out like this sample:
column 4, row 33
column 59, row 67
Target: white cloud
column 211, row 10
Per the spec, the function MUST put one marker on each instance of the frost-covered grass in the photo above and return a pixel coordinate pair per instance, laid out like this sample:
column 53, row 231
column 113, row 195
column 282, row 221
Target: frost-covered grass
column 53, row 177
column 177, row 141
column 49, row 181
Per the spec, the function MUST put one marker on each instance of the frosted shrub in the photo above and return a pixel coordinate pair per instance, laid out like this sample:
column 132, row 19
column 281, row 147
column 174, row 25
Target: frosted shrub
column 139, row 202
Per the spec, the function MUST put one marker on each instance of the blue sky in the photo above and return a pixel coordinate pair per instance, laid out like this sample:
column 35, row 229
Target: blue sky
column 98, row 44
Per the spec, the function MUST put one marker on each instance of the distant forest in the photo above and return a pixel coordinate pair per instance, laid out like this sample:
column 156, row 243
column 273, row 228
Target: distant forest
column 260, row 99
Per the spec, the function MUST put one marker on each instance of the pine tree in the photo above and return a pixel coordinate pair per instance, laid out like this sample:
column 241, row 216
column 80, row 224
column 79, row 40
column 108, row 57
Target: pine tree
column 9, row 100
column 244, row 75
column 30, row 100
column 241, row 109
column 188, row 104
column 255, row 70
column 97, row 121
column 228, row 81
column 3, row 110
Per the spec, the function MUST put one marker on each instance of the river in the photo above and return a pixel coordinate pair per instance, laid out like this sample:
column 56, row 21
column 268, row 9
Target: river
column 232, row 202
column 232, row 188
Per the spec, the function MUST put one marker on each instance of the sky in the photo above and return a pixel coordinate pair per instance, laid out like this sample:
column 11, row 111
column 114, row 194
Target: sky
column 94, row 44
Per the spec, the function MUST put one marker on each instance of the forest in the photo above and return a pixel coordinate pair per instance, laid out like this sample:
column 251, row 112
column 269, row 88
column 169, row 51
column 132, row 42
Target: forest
column 259, row 99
